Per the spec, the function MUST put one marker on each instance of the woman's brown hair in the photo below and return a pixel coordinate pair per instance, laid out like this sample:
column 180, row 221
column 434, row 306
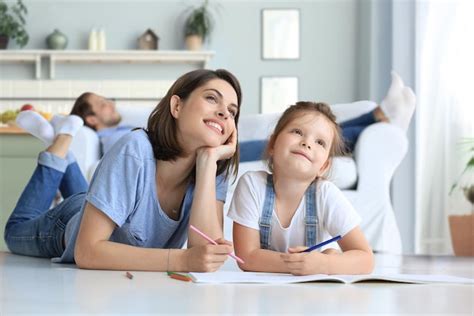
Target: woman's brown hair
column 338, row 147
column 162, row 128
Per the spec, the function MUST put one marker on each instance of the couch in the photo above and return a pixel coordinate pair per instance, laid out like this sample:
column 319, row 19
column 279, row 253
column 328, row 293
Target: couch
column 364, row 178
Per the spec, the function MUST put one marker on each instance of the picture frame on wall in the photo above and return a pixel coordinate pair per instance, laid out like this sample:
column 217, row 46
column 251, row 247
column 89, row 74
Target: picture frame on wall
column 277, row 93
column 280, row 34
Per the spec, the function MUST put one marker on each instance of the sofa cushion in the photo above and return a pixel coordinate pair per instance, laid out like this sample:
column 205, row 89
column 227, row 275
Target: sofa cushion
column 135, row 116
column 343, row 172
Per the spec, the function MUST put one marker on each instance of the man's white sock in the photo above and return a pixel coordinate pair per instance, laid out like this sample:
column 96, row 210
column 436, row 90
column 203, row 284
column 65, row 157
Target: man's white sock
column 399, row 103
column 69, row 125
column 35, row 124
column 409, row 101
column 391, row 103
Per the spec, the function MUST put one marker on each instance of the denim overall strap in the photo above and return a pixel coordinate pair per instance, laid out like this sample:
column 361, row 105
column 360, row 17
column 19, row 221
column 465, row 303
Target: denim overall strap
column 266, row 217
column 311, row 216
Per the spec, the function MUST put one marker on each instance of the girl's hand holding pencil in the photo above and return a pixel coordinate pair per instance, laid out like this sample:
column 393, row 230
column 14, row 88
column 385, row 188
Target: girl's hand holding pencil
column 305, row 263
column 304, row 260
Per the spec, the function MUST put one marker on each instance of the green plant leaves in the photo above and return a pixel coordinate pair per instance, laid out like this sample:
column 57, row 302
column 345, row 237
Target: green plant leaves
column 468, row 143
column 13, row 24
column 199, row 22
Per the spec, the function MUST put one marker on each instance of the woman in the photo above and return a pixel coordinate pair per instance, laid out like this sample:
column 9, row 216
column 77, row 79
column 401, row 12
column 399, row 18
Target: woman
column 145, row 192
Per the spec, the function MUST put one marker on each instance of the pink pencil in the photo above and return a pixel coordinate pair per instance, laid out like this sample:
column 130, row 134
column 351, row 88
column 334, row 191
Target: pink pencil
column 213, row 242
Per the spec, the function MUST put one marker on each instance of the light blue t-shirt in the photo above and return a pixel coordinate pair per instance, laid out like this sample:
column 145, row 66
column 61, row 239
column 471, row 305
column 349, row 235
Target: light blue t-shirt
column 124, row 188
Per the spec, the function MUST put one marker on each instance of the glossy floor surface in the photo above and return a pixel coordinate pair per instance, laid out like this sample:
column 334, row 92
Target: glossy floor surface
column 37, row 286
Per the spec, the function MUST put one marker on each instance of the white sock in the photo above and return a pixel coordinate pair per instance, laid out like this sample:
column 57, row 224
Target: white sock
column 56, row 121
column 391, row 103
column 35, row 124
column 399, row 103
column 68, row 125
column 409, row 102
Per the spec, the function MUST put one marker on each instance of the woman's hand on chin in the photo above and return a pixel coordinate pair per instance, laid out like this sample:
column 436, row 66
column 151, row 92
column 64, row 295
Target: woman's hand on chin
column 221, row 152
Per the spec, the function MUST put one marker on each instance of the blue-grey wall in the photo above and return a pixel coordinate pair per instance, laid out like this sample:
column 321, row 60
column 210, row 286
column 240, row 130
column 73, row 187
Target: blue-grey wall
column 329, row 43
column 347, row 50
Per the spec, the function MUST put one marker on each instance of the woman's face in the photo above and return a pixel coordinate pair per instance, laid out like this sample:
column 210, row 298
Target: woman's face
column 207, row 117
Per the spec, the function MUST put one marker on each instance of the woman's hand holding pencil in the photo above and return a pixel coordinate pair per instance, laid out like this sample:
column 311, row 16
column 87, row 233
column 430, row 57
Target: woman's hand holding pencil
column 216, row 242
column 207, row 258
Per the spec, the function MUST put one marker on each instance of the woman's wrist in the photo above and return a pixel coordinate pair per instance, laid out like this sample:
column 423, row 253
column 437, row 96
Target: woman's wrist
column 206, row 156
column 176, row 260
column 206, row 163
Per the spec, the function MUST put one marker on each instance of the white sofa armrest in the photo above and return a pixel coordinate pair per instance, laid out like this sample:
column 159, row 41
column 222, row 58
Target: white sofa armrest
column 378, row 152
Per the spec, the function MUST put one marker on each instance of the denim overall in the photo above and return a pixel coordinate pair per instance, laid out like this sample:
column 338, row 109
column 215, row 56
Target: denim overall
column 311, row 217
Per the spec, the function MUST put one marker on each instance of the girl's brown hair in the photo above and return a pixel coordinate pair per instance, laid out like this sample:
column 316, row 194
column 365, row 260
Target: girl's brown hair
column 162, row 128
column 338, row 147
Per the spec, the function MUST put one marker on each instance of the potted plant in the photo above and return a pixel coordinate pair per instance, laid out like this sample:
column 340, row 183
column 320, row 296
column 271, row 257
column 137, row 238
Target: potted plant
column 198, row 26
column 12, row 24
column 462, row 226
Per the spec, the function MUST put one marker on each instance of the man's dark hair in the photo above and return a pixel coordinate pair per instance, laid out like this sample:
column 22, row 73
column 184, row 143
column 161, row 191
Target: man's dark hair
column 83, row 108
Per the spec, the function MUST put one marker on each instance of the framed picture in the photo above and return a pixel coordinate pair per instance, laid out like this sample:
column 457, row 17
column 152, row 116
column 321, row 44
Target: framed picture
column 280, row 34
column 277, row 93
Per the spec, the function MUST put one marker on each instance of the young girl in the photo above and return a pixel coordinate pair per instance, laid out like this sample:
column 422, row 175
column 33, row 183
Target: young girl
column 146, row 190
column 278, row 215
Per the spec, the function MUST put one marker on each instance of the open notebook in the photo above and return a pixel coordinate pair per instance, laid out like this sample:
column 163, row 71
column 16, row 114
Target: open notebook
column 279, row 278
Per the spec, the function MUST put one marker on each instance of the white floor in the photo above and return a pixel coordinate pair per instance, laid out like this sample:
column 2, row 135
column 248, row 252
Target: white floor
column 37, row 286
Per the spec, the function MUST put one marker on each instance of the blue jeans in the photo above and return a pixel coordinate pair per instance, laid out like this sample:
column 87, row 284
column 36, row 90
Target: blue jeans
column 35, row 230
column 351, row 130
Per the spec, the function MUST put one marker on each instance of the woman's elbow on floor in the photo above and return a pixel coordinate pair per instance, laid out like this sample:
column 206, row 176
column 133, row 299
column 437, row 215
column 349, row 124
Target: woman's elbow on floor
column 83, row 258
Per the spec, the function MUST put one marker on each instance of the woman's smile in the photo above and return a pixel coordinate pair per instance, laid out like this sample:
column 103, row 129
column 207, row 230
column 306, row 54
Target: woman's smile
column 216, row 126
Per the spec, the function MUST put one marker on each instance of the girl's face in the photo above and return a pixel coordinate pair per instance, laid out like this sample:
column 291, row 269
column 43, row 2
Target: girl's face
column 302, row 147
column 207, row 117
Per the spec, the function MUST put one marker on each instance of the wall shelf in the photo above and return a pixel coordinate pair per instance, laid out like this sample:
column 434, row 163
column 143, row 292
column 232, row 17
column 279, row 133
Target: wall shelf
column 199, row 58
column 21, row 56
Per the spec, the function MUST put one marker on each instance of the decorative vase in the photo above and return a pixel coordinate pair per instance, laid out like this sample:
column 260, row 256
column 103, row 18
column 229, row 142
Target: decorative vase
column 4, row 41
column 56, row 40
column 193, row 42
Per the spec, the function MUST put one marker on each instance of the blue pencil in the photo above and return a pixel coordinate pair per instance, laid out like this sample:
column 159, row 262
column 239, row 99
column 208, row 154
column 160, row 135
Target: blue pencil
column 324, row 243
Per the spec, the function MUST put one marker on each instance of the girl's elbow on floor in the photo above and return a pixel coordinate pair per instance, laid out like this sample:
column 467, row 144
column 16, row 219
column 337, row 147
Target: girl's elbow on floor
column 370, row 262
column 243, row 266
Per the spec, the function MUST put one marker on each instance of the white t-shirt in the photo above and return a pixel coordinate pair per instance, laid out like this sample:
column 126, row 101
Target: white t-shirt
column 335, row 213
